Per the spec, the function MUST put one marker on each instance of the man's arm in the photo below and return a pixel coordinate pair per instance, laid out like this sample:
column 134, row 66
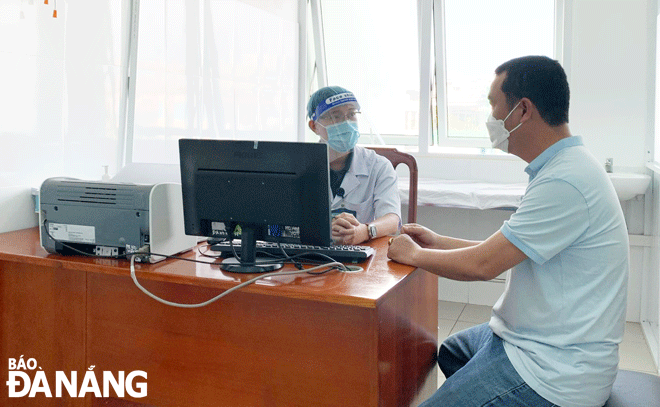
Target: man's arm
column 428, row 239
column 478, row 262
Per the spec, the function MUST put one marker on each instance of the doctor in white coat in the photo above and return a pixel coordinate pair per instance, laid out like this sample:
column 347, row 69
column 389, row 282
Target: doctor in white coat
column 366, row 202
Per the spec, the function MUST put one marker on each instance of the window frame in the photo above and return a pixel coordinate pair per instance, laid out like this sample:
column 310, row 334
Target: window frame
column 433, row 75
column 442, row 138
column 127, row 151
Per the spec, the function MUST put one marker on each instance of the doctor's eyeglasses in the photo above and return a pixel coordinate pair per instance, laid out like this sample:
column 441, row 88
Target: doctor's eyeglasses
column 339, row 116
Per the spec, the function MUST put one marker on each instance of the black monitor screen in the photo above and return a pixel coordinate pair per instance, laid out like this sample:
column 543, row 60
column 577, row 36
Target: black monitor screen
column 277, row 191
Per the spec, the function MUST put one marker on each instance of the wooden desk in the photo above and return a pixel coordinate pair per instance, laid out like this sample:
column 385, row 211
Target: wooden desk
column 364, row 339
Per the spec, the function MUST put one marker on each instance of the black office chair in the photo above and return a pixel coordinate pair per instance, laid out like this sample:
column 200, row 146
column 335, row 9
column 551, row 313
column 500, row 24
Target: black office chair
column 397, row 157
column 635, row 389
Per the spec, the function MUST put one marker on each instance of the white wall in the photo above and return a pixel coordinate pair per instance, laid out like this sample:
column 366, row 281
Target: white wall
column 61, row 81
column 611, row 74
column 64, row 81
column 650, row 293
column 650, row 280
column 17, row 208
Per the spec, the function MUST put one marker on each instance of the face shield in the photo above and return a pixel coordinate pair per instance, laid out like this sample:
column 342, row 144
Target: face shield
column 337, row 109
column 338, row 115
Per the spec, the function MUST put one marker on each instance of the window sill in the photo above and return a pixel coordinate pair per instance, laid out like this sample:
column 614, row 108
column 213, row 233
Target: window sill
column 453, row 152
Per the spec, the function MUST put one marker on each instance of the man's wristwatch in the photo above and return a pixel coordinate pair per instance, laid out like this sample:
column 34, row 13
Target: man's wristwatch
column 373, row 232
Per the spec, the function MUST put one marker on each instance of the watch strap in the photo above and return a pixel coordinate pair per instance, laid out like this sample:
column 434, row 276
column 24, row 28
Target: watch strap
column 373, row 232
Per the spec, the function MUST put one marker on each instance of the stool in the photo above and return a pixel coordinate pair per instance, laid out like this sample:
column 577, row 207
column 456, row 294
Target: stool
column 635, row 389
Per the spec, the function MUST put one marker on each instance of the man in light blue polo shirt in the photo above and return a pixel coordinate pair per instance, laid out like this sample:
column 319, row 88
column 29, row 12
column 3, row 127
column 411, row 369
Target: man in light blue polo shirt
column 554, row 333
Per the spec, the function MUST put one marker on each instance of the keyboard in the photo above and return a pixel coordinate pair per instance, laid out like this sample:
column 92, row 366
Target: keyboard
column 344, row 254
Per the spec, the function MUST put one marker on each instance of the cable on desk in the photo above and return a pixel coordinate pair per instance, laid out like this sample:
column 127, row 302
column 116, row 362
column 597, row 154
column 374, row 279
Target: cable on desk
column 232, row 289
column 306, row 258
column 144, row 251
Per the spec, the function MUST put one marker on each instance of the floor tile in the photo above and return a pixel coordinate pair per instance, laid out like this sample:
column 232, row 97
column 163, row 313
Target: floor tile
column 444, row 328
column 475, row 313
column 634, row 333
column 450, row 310
column 461, row 325
column 636, row 356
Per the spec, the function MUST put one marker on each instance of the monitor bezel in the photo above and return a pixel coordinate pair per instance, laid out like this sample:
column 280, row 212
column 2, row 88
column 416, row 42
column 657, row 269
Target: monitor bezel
column 304, row 165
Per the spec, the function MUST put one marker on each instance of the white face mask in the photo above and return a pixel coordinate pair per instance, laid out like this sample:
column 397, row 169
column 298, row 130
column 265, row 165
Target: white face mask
column 499, row 135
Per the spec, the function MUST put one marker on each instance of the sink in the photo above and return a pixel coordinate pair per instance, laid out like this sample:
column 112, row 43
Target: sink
column 628, row 185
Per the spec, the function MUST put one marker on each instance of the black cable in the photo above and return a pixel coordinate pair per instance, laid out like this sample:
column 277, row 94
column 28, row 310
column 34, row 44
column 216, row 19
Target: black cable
column 295, row 263
column 306, row 261
column 127, row 256
column 73, row 248
column 287, row 257
column 275, row 260
column 134, row 256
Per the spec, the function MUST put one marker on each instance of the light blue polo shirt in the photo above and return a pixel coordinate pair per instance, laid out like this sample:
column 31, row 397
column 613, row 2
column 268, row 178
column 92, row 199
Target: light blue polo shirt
column 562, row 314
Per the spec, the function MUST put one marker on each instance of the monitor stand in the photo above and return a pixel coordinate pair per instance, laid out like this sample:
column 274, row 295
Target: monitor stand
column 249, row 263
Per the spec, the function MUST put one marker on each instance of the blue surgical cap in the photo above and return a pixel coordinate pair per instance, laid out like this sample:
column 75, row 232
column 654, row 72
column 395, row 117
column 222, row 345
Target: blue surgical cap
column 323, row 100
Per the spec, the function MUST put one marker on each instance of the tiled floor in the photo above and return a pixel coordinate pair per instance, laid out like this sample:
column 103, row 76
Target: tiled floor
column 454, row 316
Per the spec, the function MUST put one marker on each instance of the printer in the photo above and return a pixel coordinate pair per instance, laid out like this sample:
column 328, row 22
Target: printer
column 112, row 219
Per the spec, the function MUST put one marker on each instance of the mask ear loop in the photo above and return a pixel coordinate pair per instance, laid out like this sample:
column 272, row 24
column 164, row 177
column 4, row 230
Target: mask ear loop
column 510, row 113
column 512, row 110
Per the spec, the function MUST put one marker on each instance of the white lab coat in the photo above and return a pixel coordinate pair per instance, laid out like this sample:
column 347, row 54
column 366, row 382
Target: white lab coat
column 370, row 187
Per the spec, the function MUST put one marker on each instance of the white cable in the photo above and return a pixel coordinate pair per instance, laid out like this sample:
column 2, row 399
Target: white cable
column 349, row 269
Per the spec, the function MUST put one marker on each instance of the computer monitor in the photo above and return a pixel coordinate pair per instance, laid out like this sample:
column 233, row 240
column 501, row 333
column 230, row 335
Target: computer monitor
column 274, row 191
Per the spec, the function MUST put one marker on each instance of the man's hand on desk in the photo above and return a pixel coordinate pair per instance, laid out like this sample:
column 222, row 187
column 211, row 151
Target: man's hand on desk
column 403, row 249
column 421, row 235
column 413, row 237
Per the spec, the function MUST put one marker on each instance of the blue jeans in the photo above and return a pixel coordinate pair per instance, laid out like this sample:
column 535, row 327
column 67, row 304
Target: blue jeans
column 479, row 373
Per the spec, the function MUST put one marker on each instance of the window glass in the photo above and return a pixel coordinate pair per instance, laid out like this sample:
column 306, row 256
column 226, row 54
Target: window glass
column 214, row 69
column 371, row 49
column 61, row 81
column 479, row 36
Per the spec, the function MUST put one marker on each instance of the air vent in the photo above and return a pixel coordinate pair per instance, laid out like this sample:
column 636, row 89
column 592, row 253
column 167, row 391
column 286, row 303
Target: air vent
column 93, row 194
column 105, row 196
